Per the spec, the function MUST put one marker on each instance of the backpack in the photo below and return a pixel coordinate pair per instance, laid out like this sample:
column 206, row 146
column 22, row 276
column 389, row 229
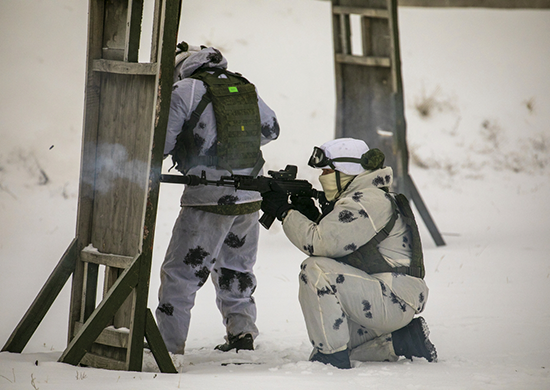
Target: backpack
column 369, row 259
column 238, row 124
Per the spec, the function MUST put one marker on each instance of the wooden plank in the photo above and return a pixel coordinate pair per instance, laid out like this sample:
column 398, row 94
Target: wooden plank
column 124, row 139
column 368, row 12
column 43, row 301
column 93, row 256
column 89, row 290
column 133, row 30
column 505, row 4
column 163, row 89
column 121, row 67
column 88, row 156
column 103, row 362
column 365, row 61
column 158, row 348
column 423, row 210
column 115, row 21
column 110, row 336
column 93, row 327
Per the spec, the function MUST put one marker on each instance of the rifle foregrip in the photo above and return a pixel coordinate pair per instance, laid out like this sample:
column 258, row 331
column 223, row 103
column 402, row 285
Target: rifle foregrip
column 266, row 220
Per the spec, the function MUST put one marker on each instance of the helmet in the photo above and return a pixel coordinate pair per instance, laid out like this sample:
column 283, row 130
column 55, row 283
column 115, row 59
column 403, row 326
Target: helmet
column 347, row 155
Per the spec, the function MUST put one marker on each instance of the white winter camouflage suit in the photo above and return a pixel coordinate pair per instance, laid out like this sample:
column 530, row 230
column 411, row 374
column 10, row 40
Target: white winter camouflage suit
column 203, row 243
column 343, row 306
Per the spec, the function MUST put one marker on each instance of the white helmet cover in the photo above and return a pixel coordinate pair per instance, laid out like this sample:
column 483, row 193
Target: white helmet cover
column 345, row 147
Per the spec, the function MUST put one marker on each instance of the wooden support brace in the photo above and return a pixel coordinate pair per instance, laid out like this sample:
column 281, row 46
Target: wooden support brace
column 100, row 317
column 43, row 301
column 423, row 210
column 158, row 348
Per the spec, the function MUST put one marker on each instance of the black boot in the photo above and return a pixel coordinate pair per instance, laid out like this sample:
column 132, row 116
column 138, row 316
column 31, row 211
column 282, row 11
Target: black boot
column 412, row 340
column 337, row 359
column 238, row 342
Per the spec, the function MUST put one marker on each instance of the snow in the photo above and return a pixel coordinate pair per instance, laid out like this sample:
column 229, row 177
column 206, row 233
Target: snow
column 480, row 157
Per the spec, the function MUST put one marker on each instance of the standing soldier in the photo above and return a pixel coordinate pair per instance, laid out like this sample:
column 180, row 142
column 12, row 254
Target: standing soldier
column 217, row 124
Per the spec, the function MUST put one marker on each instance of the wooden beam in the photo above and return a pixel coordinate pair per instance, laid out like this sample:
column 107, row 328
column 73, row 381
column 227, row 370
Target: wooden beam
column 365, row 61
column 505, row 4
column 108, row 259
column 369, row 12
column 43, row 301
column 121, row 67
column 93, row 327
column 158, row 348
column 414, row 195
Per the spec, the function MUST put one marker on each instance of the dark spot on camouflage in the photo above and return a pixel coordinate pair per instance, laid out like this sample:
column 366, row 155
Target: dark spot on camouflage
column 366, row 305
column 245, row 282
column 340, row 279
column 195, row 256
column 346, row 216
column 271, row 131
column 363, row 213
column 421, row 297
column 350, row 247
column 395, row 300
column 174, row 87
column 357, row 196
column 378, row 181
column 244, row 279
column 203, row 275
column 202, row 125
column 199, row 141
column 388, row 339
column 309, row 249
column 167, row 309
column 337, row 323
column 387, row 178
column 313, row 343
column 405, row 239
column 228, row 199
column 383, row 288
column 326, row 291
column 251, row 300
column 303, row 278
column 361, row 332
column 303, row 266
column 321, row 345
column 233, row 241
column 215, row 57
column 213, row 261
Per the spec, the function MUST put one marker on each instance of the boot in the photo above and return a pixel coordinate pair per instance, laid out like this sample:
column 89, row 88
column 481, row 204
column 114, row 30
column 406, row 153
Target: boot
column 412, row 340
column 238, row 342
column 337, row 359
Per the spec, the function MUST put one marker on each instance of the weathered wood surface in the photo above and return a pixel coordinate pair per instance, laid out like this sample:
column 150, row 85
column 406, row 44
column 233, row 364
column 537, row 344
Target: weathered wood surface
column 510, row 4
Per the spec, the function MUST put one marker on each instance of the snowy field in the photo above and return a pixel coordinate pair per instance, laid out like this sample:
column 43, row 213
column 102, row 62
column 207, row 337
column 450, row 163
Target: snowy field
column 477, row 95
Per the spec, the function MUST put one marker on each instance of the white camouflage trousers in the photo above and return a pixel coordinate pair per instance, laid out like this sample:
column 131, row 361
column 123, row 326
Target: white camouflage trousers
column 205, row 244
column 345, row 307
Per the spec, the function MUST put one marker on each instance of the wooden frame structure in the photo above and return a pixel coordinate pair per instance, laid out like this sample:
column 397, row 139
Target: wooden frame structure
column 125, row 118
column 369, row 89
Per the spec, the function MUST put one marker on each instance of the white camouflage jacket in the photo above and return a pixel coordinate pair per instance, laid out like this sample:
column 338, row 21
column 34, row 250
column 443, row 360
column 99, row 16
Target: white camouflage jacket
column 360, row 212
column 186, row 95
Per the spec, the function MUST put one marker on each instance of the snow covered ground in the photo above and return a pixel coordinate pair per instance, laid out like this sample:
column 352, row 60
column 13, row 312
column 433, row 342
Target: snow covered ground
column 478, row 113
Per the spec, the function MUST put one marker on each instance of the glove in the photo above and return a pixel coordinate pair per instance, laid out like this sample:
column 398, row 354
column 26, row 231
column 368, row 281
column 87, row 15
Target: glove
column 306, row 206
column 275, row 204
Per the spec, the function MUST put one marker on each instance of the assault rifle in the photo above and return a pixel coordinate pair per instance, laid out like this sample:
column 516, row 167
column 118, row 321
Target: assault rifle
column 280, row 181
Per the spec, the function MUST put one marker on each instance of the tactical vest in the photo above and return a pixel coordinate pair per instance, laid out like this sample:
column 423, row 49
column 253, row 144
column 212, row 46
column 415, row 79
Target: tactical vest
column 369, row 259
column 238, row 124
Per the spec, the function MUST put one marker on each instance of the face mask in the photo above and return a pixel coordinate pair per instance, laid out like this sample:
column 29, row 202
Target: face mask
column 330, row 186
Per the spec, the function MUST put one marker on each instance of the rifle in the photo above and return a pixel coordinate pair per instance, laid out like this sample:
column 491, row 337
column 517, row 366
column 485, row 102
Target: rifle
column 280, row 181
